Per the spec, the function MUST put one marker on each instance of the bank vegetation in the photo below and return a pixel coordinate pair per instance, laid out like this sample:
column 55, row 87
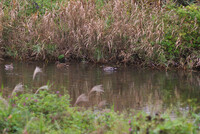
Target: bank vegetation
column 130, row 32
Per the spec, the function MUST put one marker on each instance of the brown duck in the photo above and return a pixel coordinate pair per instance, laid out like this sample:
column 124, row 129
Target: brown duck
column 61, row 65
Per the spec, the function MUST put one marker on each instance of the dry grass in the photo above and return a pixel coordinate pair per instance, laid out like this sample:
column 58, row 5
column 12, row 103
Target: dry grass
column 118, row 31
column 85, row 30
column 92, row 100
column 46, row 87
column 36, row 71
column 18, row 88
column 81, row 98
column 97, row 88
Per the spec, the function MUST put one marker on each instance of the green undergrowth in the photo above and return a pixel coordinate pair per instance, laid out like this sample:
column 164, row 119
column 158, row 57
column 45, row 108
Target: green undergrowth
column 48, row 112
column 102, row 31
column 181, row 42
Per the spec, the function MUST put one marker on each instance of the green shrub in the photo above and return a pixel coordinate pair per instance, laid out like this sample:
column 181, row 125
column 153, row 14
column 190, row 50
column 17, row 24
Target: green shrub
column 43, row 102
column 182, row 32
column 52, row 113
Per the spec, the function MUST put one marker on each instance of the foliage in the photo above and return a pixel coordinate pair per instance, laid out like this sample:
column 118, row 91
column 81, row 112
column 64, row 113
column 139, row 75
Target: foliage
column 181, row 39
column 160, row 124
column 185, row 2
column 47, row 112
column 39, row 103
column 60, row 57
column 102, row 31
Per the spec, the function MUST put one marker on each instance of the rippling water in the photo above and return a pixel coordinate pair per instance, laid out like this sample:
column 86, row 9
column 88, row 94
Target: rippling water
column 128, row 87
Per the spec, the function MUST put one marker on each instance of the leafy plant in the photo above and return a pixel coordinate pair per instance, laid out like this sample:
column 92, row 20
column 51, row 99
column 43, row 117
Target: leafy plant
column 47, row 112
column 60, row 57
column 44, row 103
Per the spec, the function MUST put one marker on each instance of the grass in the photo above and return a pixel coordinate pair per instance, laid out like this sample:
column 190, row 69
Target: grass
column 51, row 112
column 101, row 31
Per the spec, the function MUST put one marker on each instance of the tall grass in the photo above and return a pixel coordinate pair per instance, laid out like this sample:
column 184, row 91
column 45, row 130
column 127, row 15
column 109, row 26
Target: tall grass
column 100, row 31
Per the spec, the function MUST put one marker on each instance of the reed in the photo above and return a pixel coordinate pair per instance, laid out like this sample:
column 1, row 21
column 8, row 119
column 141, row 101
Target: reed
column 97, row 88
column 81, row 98
column 36, row 71
column 86, row 98
column 46, row 87
column 18, row 88
column 104, row 31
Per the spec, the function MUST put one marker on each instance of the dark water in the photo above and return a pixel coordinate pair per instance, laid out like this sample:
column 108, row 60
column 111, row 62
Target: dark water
column 126, row 88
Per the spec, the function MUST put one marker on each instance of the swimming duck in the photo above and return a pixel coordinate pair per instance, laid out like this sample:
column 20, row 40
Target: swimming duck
column 109, row 69
column 61, row 65
column 9, row 67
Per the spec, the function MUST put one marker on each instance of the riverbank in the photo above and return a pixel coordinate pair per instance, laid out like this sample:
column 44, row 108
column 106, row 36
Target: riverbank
column 101, row 32
column 51, row 112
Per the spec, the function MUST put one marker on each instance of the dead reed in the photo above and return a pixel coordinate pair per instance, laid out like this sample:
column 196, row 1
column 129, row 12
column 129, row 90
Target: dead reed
column 97, row 88
column 18, row 88
column 81, row 98
column 86, row 98
column 46, row 87
column 117, row 31
column 36, row 71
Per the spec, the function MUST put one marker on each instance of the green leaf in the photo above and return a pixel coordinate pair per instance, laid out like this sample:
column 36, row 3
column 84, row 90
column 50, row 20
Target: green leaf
column 61, row 56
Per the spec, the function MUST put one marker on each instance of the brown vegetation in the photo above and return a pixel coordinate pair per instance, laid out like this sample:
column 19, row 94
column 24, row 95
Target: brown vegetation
column 82, row 29
column 117, row 31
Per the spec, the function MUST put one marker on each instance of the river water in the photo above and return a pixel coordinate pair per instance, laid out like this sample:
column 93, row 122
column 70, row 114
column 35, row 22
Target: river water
column 126, row 88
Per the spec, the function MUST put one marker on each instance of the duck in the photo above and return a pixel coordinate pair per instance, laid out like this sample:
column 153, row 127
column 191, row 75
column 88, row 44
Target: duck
column 9, row 67
column 109, row 69
column 61, row 65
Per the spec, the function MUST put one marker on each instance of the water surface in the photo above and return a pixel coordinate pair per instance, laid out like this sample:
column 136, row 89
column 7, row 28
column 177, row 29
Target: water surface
column 127, row 88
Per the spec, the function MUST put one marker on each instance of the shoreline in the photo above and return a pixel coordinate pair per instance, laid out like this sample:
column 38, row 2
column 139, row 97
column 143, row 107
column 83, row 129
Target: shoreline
column 151, row 66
